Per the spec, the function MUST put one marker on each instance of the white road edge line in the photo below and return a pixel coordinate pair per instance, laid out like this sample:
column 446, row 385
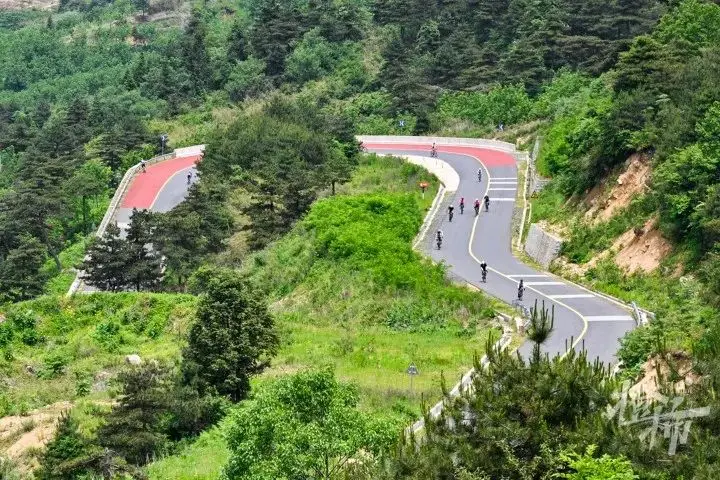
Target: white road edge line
column 501, row 199
column 502, row 189
column 610, row 318
column 527, row 276
column 493, row 182
column 157, row 195
column 537, row 284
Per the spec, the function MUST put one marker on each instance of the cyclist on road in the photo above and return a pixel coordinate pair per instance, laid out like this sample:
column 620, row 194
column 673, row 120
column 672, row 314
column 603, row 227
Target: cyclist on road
column 521, row 290
column 439, row 238
column 433, row 150
column 189, row 177
column 487, row 202
column 480, row 174
column 477, row 207
column 483, row 267
column 142, row 165
column 462, row 205
column 451, row 209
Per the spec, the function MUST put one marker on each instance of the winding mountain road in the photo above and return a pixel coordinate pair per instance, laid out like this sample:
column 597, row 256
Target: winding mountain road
column 583, row 319
column 160, row 188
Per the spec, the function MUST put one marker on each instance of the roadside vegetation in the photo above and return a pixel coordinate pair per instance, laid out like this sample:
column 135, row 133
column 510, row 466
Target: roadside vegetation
column 672, row 119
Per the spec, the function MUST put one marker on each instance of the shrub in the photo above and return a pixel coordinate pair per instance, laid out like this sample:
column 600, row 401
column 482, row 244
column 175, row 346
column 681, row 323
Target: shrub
column 24, row 323
column 54, row 365
column 503, row 104
column 107, row 333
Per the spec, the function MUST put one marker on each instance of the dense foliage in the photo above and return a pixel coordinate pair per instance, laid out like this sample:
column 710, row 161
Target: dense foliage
column 305, row 426
column 86, row 91
column 660, row 99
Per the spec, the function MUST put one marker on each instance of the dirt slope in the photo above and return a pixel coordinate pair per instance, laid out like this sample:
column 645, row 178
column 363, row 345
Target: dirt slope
column 631, row 183
column 23, row 4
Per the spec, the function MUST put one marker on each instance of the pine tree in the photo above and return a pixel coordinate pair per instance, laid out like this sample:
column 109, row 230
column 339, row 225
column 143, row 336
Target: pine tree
column 134, row 429
column 106, row 264
column 237, row 43
column 233, row 338
column 69, row 455
column 21, row 277
column 194, row 52
column 182, row 242
column 144, row 269
column 277, row 25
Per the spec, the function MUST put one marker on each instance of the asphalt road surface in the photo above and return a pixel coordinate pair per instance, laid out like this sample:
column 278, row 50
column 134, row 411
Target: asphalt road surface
column 162, row 187
column 583, row 319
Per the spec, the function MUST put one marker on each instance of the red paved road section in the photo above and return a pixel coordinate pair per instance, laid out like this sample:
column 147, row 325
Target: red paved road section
column 490, row 158
column 146, row 186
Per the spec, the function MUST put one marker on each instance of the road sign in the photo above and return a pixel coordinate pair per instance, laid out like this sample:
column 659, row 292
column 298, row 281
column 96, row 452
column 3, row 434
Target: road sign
column 423, row 186
column 412, row 371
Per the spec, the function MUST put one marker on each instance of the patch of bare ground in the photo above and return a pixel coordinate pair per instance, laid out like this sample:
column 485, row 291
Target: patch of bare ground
column 22, row 435
column 673, row 369
column 641, row 250
column 636, row 251
column 631, row 183
column 27, row 4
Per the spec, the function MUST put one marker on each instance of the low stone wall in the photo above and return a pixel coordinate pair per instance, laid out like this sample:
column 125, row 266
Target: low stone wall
column 542, row 246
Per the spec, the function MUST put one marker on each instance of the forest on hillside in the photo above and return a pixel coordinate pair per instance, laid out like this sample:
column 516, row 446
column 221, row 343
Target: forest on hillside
column 290, row 213
column 87, row 90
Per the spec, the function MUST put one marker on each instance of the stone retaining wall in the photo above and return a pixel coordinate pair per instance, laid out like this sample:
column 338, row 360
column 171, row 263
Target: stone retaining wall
column 542, row 246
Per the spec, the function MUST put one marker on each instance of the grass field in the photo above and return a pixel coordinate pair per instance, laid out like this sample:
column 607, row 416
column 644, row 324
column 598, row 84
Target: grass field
column 366, row 315
column 346, row 290
column 57, row 348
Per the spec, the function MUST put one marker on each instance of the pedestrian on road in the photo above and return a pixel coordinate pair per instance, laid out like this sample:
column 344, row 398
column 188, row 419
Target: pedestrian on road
column 451, row 209
column 521, row 290
column 142, row 165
